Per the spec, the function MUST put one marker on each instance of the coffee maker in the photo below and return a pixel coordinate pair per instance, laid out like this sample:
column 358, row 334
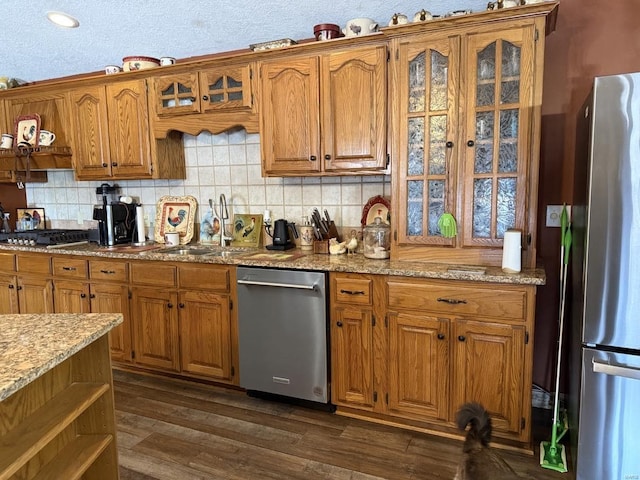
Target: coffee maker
column 116, row 219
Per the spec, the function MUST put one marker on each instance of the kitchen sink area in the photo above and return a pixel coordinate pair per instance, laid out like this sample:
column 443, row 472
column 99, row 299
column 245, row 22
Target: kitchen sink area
column 199, row 251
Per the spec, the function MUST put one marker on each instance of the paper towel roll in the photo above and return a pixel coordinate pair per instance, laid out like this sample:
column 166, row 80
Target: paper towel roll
column 140, row 236
column 511, row 254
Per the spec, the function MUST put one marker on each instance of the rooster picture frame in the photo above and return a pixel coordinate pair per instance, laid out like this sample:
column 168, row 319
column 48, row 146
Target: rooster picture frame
column 247, row 230
column 175, row 214
column 27, row 131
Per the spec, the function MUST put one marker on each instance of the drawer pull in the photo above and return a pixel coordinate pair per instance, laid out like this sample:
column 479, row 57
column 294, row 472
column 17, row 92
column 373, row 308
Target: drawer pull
column 69, row 269
column 441, row 336
column 451, row 301
column 352, row 292
column 108, row 272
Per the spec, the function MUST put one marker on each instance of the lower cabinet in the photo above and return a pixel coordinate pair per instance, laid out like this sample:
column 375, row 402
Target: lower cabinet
column 205, row 323
column 411, row 351
column 26, row 284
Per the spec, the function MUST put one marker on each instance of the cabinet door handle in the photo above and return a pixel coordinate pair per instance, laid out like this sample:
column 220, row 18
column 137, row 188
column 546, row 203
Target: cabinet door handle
column 451, row 301
column 312, row 158
column 352, row 292
column 470, row 143
column 181, row 305
column 92, row 295
column 69, row 269
column 205, row 98
column 339, row 324
column 12, row 286
column 114, row 164
column 449, row 144
column 169, row 305
column 104, row 165
column 108, row 272
column 441, row 336
column 327, row 157
column 19, row 287
column 83, row 295
column 461, row 338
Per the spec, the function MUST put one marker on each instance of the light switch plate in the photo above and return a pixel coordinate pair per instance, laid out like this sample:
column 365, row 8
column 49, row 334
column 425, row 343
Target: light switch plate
column 553, row 215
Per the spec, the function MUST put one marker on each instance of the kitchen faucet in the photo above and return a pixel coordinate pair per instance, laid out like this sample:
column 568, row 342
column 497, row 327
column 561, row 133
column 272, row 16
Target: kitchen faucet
column 224, row 215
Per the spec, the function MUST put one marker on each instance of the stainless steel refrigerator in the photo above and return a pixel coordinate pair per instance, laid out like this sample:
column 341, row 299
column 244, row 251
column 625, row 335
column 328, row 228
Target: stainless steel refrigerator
column 604, row 363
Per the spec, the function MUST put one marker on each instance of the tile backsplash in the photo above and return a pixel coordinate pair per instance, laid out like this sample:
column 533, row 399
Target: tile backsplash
column 226, row 163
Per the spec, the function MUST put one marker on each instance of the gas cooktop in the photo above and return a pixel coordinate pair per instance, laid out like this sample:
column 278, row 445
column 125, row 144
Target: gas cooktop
column 45, row 237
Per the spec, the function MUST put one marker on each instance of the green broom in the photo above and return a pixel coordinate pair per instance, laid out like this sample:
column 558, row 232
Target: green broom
column 552, row 453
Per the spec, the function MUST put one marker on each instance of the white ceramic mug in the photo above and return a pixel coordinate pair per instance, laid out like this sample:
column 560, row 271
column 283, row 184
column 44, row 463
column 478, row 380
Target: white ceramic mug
column 7, row 140
column 357, row 27
column 111, row 69
column 164, row 61
column 172, row 239
column 46, row 138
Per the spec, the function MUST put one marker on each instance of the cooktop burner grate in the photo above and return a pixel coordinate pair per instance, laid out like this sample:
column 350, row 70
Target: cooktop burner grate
column 45, row 237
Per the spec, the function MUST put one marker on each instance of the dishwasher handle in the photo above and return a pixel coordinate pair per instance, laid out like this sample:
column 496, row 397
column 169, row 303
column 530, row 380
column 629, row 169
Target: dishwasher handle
column 274, row 284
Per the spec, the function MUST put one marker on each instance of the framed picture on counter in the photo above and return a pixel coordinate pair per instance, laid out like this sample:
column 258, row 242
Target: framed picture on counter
column 175, row 214
column 247, row 230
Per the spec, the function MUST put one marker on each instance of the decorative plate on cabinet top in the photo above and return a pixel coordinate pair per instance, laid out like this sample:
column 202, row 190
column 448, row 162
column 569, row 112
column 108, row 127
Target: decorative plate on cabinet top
column 175, row 214
column 377, row 206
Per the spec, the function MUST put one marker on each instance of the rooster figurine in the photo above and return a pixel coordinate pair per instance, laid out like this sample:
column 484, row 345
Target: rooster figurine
column 249, row 228
column 335, row 247
column 352, row 245
column 175, row 220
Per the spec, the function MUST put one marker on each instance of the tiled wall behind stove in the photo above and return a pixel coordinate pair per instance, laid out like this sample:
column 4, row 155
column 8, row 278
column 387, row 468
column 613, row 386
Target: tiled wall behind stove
column 226, row 163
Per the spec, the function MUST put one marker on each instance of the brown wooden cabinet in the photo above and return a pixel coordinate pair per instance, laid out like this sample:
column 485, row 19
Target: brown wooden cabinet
column 410, row 351
column 324, row 114
column 51, row 106
column 154, row 315
column 216, row 89
column 206, row 328
column 454, row 342
column 111, row 131
column 467, row 133
column 30, row 288
column 352, row 341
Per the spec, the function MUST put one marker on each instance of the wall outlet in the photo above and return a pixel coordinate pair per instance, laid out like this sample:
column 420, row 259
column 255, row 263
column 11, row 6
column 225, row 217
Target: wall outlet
column 553, row 215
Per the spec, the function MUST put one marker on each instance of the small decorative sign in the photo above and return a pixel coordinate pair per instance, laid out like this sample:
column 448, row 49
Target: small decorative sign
column 247, row 230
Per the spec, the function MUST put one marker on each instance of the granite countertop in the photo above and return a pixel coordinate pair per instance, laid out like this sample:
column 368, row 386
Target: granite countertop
column 298, row 259
column 33, row 344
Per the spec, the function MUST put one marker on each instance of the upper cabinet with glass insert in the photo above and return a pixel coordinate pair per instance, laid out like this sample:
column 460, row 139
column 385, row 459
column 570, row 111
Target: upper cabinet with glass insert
column 465, row 158
column 215, row 89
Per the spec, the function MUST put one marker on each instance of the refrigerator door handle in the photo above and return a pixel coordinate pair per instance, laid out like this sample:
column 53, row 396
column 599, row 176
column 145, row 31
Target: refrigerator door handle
column 616, row 370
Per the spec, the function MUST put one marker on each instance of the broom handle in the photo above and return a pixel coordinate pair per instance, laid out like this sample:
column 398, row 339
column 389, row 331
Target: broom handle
column 556, row 408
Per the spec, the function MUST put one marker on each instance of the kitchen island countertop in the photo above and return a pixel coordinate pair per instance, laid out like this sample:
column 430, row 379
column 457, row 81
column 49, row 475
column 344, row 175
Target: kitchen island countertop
column 33, row 344
column 297, row 259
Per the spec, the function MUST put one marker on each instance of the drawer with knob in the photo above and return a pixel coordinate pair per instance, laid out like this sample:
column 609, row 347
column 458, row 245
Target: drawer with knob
column 352, row 289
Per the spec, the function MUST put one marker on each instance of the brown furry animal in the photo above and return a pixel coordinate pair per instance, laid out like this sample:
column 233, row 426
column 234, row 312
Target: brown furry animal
column 479, row 461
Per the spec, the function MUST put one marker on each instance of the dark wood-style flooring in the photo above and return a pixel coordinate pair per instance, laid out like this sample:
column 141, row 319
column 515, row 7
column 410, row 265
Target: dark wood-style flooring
column 169, row 429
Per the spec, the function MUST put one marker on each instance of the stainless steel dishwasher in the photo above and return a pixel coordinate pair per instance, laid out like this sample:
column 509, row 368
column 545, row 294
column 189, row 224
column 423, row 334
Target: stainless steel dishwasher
column 282, row 332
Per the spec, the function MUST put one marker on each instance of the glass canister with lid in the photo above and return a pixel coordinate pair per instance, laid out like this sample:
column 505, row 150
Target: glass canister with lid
column 377, row 239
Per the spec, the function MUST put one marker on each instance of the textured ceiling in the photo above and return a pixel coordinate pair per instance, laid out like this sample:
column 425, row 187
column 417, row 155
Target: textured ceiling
column 35, row 49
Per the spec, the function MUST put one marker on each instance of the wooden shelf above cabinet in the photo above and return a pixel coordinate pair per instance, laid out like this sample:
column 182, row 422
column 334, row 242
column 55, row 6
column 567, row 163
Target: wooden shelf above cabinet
column 37, row 158
column 21, row 176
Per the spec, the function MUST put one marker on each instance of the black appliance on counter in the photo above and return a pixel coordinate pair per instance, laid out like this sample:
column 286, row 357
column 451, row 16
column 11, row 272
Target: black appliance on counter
column 45, row 237
column 116, row 220
column 282, row 231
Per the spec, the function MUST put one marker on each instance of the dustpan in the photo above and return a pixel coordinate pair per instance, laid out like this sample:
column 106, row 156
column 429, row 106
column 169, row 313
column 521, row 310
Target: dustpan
column 552, row 453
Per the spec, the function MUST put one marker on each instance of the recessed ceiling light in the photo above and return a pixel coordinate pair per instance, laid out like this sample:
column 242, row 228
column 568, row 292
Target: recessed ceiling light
column 62, row 19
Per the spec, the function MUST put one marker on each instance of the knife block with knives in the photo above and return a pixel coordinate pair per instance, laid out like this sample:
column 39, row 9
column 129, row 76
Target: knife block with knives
column 324, row 230
column 322, row 246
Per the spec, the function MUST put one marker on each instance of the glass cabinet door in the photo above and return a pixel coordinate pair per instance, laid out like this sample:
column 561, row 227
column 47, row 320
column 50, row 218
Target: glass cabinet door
column 226, row 88
column 176, row 94
column 428, row 107
column 497, row 122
